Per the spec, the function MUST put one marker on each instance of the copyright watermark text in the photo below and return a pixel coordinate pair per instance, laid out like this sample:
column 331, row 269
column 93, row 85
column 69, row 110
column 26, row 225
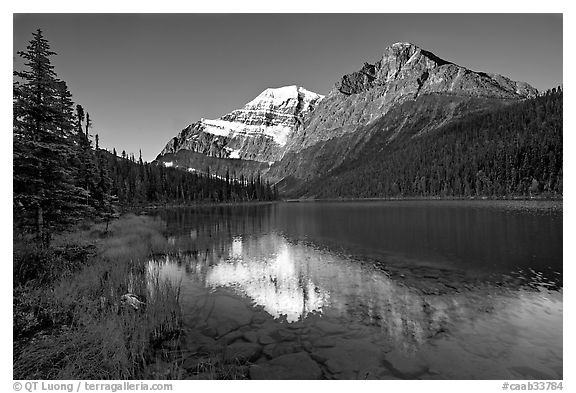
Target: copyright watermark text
column 83, row 386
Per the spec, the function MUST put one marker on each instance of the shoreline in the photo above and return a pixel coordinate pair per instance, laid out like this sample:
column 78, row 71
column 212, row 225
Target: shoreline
column 141, row 208
column 81, row 298
column 138, row 208
column 401, row 199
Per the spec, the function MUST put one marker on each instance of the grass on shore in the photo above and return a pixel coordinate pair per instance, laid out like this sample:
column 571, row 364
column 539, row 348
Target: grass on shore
column 69, row 320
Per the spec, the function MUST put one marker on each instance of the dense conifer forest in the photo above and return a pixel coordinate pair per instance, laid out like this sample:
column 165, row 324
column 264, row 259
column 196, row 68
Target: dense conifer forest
column 514, row 151
column 135, row 182
column 61, row 174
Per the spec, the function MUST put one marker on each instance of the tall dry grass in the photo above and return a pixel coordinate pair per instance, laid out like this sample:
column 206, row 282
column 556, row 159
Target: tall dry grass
column 76, row 326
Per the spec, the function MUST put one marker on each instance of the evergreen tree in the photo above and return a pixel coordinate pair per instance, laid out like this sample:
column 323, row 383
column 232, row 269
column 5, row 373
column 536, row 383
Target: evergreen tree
column 64, row 108
column 87, row 171
column 102, row 196
column 45, row 195
column 88, row 125
column 79, row 117
column 59, row 177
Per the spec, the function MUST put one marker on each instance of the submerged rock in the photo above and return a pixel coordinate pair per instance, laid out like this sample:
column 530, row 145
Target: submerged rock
column 347, row 359
column 231, row 337
column 325, row 342
column 228, row 314
column 405, row 366
column 530, row 373
column 251, row 336
column 261, row 317
column 197, row 342
column 284, row 335
column 199, row 363
column 330, row 328
column 293, row 366
column 210, row 331
column 266, row 339
column 242, row 351
column 280, row 349
column 375, row 373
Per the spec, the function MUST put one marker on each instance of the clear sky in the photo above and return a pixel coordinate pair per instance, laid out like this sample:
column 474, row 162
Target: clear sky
column 144, row 77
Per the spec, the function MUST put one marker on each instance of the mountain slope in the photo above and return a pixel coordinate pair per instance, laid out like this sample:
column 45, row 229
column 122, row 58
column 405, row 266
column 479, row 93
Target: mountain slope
column 294, row 138
column 258, row 132
column 403, row 73
column 405, row 121
column 509, row 151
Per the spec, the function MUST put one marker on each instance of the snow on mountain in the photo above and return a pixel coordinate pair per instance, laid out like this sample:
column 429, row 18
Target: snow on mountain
column 258, row 131
column 307, row 135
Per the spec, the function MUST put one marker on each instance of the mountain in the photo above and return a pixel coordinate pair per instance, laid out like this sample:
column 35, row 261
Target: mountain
column 296, row 138
column 404, row 73
column 257, row 133
column 509, row 151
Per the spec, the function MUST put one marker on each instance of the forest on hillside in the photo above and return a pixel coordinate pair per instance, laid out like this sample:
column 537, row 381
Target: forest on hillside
column 513, row 151
column 135, row 182
column 62, row 176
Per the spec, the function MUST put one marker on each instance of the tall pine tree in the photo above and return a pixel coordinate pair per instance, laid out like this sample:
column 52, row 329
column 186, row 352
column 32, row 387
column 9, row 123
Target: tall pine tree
column 45, row 193
column 87, row 170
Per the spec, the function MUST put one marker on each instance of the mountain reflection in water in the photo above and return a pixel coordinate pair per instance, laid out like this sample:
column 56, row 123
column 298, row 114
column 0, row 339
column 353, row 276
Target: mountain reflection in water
column 461, row 328
column 291, row 281
column 277, row 283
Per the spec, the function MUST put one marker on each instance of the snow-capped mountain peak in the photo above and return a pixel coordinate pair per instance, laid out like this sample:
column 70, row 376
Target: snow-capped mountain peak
column 258, row 131
column 282, row 97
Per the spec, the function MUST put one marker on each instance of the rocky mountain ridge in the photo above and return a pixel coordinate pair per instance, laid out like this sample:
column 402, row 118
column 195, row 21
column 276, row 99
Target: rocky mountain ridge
column 301, row 135
column 259, row 131
column 403, row 73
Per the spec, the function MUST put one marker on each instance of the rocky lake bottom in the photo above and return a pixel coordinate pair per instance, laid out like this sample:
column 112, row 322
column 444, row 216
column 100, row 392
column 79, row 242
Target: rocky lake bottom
column 261, row 303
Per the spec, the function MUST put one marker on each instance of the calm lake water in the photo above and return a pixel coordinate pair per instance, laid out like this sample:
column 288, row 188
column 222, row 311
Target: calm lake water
column 372, row 290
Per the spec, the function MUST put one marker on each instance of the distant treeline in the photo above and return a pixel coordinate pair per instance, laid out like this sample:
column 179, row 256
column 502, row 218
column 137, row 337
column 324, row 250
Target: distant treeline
column 514, row 151
column 136, row 182
column 60, row 177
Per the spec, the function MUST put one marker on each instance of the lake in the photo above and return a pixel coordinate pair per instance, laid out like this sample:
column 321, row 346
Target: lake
column 371, row 289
